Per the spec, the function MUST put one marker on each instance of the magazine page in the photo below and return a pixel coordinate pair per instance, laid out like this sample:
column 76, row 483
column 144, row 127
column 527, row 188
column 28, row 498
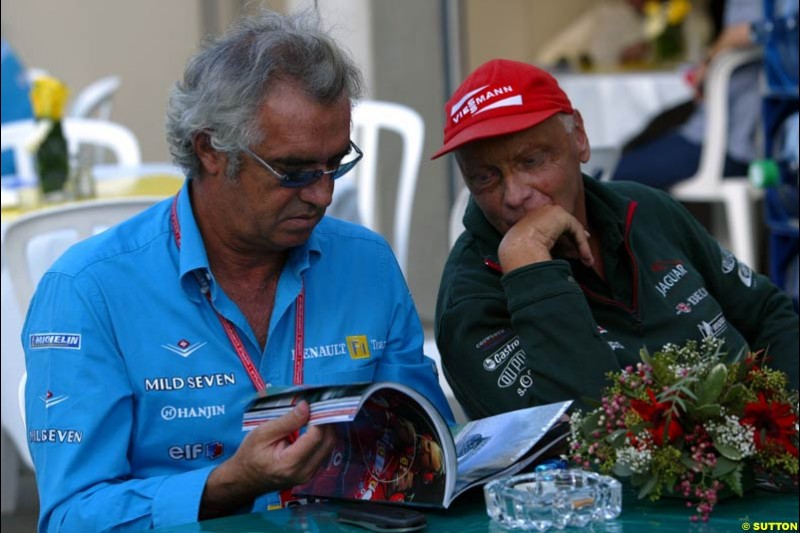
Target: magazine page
column 328, row 404
column 391, row 452
column 491, row 445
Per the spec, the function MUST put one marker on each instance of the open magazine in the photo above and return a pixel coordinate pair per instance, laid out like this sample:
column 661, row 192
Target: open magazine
column 393, row 445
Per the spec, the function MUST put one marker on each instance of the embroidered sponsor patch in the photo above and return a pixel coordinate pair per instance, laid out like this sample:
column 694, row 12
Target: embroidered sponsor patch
column 714, row 327
column 491, row 340
column 728, row 260
column 501, row 355
column 670, row 279
column 357, row 346
column 62, row 436
column 190, row 452
column 745, row 275
column 51, row 399
column 183, row 347
column 515, row 366
column 64, row 341
column 170, row 412
column 695, row 298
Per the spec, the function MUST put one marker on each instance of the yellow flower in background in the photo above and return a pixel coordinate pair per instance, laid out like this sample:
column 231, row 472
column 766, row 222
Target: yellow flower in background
column 659, row 14
column 49, row 97
column 677, row 11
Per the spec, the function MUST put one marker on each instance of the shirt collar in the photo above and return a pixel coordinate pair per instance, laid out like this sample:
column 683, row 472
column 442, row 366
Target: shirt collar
column 193, row 260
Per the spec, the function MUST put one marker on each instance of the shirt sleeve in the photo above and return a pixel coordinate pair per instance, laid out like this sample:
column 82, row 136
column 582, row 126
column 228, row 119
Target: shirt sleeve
column 80, row 413
column 403, row 360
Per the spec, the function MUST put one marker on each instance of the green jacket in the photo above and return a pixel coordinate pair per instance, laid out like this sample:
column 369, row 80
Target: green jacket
column 551, row 331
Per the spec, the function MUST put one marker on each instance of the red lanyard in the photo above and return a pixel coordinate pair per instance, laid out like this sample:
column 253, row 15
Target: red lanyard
column 230, row 329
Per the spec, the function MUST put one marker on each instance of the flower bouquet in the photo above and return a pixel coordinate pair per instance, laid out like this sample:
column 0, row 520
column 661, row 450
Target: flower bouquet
column 685, row 422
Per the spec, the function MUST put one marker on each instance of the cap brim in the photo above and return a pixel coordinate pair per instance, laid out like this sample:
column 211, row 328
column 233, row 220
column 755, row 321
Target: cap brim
column 494, row 127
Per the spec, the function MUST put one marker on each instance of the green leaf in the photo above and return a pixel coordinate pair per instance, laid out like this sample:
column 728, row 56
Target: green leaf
column 622, row 470
column 590, row 424
column 740, row 355
column 734, row 481
column 724, row 467
column 617, row 438
column 728, row 451
column 645, row 355
column 735, row 395
column 708, row 411
column 688, row 462
column 647, row 487
column 712, row 387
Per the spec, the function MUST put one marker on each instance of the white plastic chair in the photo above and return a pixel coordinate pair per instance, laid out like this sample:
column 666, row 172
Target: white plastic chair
column 31, row 244
column 457, row 215
column 95, row 100
column 431, row 350
column 709, row 184
column 369, row 117
column 118, row 139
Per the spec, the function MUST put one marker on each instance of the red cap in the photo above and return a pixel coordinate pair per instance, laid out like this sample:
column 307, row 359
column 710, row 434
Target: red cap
column 500, row 97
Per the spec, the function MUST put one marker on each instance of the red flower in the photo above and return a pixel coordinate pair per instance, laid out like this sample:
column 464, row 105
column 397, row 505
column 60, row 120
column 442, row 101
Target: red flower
column 774, row 422
column 662, row 419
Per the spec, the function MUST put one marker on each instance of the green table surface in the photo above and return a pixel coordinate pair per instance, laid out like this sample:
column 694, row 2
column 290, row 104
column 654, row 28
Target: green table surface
column 757, row 511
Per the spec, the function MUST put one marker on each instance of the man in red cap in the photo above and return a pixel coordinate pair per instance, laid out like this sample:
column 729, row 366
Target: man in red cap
column 560, row 279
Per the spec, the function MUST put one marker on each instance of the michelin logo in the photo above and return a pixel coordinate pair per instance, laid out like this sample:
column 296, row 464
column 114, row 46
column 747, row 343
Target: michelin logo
column 66, row 341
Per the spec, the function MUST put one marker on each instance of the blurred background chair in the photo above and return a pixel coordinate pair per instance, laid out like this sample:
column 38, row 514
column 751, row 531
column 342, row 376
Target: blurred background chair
column 369, row 118
column 737, row 228
column 30, row 245
column 96, row 99
column 456, row 224
column 117, row 139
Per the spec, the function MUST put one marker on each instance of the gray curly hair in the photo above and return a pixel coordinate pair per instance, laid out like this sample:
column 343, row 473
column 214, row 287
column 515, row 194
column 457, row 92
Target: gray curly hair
column 225, row 83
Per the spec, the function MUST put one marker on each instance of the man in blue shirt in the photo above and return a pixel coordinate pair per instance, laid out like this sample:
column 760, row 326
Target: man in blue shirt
column 145, row 343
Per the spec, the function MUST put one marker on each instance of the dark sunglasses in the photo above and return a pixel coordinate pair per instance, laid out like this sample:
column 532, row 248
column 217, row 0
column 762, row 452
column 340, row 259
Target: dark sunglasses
column 300, row 178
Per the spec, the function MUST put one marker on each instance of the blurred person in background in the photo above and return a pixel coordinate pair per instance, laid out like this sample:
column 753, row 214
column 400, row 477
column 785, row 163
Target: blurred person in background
column 674, row 155
column 15, row 97
column 145, row 343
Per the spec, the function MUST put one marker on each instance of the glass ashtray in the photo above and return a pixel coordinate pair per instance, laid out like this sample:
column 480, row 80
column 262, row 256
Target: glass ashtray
column 553, row 499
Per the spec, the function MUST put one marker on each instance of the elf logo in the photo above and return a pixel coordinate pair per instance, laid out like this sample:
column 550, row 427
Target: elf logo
column 189, row 452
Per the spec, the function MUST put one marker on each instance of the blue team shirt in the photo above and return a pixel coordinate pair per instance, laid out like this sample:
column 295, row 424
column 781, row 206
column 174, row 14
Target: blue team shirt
column 134, row 392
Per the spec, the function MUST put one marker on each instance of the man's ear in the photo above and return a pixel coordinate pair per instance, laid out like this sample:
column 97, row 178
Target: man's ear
column 581, row 139
column 212, row 161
